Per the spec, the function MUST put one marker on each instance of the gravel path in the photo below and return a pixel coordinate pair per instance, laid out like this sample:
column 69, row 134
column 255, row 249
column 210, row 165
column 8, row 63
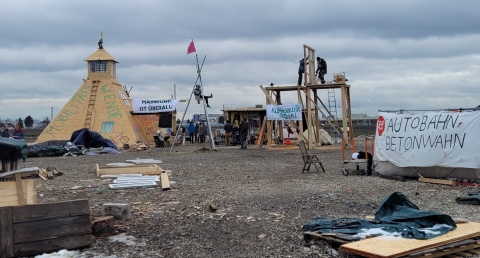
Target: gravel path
column 263, row 201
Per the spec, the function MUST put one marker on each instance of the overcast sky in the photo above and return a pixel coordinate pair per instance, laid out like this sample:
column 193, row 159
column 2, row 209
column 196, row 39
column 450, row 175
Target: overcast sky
column 408, row 54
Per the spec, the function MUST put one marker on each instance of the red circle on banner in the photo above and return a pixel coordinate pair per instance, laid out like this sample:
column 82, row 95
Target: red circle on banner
column 380, row 125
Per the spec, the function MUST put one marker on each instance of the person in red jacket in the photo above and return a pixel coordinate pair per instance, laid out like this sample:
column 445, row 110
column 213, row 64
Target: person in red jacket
column 18, row 132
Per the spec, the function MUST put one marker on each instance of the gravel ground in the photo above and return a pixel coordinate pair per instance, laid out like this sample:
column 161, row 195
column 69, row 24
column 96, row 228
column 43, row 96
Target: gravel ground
column 262, row 197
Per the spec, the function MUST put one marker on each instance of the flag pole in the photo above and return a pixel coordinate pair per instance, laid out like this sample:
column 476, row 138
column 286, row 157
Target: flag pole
column 188, row 104
column 210, row 136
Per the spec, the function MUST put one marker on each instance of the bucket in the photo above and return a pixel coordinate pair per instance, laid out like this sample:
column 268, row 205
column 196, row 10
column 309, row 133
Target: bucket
column 287, row 142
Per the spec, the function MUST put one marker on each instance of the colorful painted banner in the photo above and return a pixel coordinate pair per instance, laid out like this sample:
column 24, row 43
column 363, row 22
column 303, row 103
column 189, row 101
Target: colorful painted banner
column 153, row 105
column 445, row 139
column 284, row 112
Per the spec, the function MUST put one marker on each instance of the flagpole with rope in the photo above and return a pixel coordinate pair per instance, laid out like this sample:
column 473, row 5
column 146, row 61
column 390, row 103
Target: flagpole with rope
column 191, row 49
column 186, row 108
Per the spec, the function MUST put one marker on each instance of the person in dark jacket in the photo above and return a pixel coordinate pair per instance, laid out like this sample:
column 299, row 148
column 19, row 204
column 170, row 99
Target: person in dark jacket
column 235, row 134
column 5, row 133
column 321, row 69
column 301, row 70
column 243, row 133
column 228, row 127
column 199, row 95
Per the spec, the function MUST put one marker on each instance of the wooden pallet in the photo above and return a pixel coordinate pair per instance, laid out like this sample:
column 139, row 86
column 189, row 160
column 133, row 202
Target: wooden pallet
column 402, row 247
column 465, row 248
column 30, row 230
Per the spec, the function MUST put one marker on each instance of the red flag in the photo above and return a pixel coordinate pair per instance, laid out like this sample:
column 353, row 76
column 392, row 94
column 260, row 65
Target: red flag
column 191, row 48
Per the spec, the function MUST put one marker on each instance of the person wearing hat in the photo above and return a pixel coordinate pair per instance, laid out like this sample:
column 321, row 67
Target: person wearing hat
column 321, row 69
column 364, row 155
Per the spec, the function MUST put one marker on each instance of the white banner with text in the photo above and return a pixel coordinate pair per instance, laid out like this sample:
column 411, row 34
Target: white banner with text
column 284, row 112
column 153, row 105
column 445, row 139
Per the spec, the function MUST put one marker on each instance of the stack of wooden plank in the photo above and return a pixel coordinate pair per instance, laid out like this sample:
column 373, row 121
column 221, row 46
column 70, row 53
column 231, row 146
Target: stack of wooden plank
column 143, row 169
column 462, row 240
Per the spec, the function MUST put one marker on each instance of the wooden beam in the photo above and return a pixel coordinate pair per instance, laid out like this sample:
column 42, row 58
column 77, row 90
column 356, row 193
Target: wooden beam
column 260, row 134
column 164, row 180
column 6, row 232
column 436, row 181
column 144, row 169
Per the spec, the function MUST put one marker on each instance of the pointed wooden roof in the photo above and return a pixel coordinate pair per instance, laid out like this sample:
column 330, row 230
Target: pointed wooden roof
column 101, row 54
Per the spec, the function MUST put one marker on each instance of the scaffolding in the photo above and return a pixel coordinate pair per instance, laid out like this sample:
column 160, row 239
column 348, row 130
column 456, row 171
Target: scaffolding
column 312, row 106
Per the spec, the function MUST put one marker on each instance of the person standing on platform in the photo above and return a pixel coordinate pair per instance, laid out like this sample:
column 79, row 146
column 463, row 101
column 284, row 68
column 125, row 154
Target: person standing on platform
column 321, row 69
column 301, row 70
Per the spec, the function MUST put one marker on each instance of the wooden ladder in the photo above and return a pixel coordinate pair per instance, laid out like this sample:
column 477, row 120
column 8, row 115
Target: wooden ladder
column 91, row 106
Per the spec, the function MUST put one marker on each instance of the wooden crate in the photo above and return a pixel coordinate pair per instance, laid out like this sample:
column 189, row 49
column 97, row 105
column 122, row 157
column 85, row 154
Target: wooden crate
column 31, row 230
column 14, row 193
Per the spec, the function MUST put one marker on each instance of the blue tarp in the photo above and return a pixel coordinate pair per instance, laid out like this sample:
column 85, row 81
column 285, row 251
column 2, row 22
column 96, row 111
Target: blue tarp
column 90, row 139
column 396, row 214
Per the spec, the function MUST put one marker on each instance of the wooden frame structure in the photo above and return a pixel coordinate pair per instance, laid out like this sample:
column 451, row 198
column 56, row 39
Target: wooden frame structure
column 311, row 104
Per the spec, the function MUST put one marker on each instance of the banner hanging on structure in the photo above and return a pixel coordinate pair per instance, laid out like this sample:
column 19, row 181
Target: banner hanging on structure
column 153, row 105
column 284, row 112
column 445, row 139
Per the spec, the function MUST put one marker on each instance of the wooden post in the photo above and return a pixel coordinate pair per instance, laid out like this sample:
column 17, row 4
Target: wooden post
column 260, row 134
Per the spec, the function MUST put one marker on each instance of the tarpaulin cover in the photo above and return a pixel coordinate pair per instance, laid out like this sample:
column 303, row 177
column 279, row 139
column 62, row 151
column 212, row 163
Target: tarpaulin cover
column 472, row 198
column 13, row 149
column 43, row 150
column 428, row 139
column 90, row 139
column 396, row 214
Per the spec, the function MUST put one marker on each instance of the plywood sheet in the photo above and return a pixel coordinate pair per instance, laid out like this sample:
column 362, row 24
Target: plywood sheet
column 397, row 247
column 9, row 194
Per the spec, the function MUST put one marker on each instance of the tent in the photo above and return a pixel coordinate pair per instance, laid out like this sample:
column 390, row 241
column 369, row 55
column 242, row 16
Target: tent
column 324, row 137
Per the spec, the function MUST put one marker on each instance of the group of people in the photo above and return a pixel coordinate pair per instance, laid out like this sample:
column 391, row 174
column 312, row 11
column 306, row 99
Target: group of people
column 197, row 132
column 233, row 133
column 17, row 132
column 320, row 72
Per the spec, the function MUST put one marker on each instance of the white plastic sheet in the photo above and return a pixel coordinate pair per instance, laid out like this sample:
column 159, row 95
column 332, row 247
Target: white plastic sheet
column 444, row 139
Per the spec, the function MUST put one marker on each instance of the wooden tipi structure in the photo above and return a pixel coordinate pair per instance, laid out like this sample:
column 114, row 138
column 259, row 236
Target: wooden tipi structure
column 100, row 104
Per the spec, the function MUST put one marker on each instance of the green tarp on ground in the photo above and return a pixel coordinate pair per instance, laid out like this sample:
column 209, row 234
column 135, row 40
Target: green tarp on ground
column 12, row 149
column 396, row 215
column 472, row 198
